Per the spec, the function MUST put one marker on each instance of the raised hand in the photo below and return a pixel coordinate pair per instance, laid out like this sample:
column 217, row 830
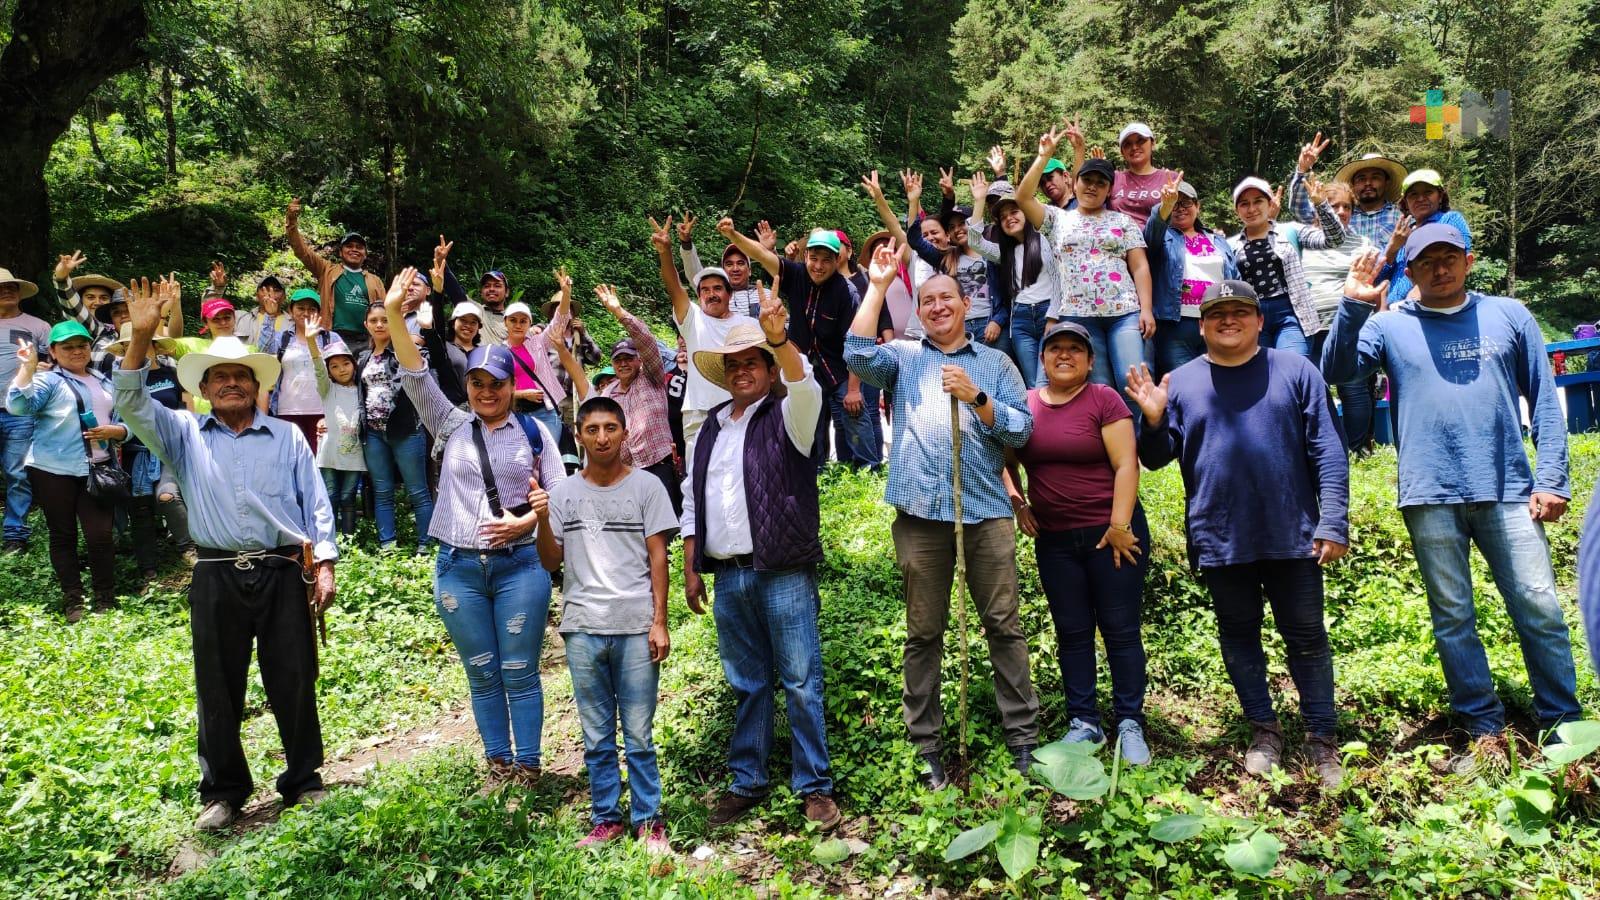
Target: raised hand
column 724, row 227
column 661, row 233
column 1358, row 284
column 1402, row 231
column 608, row 298
column 947, row 181
column 1315, row 190
column 997, row 161
column 169, row 292
column 436, row 274
column 1075, row 135
column 564, row 281
column 774, row 315
column 1277, row 200
column 219, row 276
column 1310, row 152
column 395, row 300
column 686, row 228
column 885, row 264
column 1169, row 193
column 1049, row 141
column 27, row 360
column 1145, row 391
column 68, row 263
column 144, row 306
column 980, row 187
column 442, row 253
column 293, row 213
column 912, row 182
column 1097, row 153
column 869, row 182
column 767, row 235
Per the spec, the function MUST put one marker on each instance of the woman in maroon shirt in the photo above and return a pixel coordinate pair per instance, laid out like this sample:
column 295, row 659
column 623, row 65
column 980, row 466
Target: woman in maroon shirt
column 1090, row 537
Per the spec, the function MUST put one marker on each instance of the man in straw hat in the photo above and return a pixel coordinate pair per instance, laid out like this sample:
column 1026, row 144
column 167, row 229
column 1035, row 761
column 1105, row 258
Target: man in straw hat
column 758, row 536
column 16, row 432
column 257, row 509
column 992, row 404
column 1374, row 180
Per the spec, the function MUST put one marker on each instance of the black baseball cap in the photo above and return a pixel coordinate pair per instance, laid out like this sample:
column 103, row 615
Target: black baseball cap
column 1065, row 329
column 1101, row 167
column 352, row 237
column 1231, row 289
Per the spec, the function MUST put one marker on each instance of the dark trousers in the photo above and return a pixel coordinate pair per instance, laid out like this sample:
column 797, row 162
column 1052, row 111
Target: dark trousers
column 1087, row 590
column 668, row 473
column 228, row 610
column 1294, row 588
column 67, row 506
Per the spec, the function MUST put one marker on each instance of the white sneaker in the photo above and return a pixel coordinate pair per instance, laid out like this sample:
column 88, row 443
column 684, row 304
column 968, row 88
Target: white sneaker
column 217, row 815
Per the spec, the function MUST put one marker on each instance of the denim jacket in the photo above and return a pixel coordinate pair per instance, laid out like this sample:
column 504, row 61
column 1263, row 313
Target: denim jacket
column 57, row 432
column 1168, row 254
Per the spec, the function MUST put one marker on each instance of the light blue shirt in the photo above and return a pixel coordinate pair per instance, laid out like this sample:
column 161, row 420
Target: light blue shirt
column 255, row 490
column 57, row 445
column 920, row 469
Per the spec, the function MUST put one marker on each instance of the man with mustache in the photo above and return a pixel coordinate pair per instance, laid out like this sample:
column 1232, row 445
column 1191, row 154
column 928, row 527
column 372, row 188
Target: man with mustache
column 256, row 502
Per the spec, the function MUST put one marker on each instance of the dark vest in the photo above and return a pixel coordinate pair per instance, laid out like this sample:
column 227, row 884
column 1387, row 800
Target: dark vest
column 780, row 489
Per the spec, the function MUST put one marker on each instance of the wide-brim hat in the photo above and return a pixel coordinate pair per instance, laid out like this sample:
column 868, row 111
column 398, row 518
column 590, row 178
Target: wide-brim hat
column 549, row 308
column 741, row 337
column 864, row 259
column 79, row 282
column 163, row 345
column 230, row 351
column 103, row 313
column 25, row 287
column 1395, row 171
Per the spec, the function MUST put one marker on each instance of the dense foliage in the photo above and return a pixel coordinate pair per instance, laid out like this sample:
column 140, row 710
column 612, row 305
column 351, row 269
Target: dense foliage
column 97, row 768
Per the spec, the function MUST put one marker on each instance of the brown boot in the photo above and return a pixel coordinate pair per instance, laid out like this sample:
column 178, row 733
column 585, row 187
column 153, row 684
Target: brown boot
column 1266, row 748
column 821, row 809
column 731, row 807
column 104, row 601
column 1324, row 757
column 72, row 608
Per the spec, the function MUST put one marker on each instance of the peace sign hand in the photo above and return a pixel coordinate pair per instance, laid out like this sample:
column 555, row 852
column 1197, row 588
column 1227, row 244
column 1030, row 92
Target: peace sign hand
column 442, row 252
column 869, row 183
column 774, row 315
column 686, row 228
column 69, row 263
column 947, row 181
column 1310, row 152
column 1075, row 135
column 661, row 233
column 1049, row 141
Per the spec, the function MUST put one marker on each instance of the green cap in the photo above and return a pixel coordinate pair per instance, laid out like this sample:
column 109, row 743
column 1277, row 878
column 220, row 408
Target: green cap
column 1422, row 176
column 66, row 331
column 607, row 372
column 305, row 294
column 825, row 239
column 1054, row 165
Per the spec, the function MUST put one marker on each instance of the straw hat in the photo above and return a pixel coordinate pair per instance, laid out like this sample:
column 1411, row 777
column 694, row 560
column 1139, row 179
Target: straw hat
column 226, row 351
column 163, row 345
column 27, row 288
column 741, row 337
column 1395, row 171
column 79, row 282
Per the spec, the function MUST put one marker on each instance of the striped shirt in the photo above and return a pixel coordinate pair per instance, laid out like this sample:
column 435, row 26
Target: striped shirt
column 920, row 468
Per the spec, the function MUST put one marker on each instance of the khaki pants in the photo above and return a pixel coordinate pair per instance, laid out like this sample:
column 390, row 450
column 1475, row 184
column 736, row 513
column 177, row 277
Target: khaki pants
column 926, row 551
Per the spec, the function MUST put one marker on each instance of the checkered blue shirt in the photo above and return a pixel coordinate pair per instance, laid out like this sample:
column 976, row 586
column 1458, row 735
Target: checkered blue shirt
column 920, row 470
column 1376, row 227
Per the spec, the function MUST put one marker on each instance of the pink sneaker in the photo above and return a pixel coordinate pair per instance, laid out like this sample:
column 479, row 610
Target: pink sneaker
column 654, row 835
column 604, row 833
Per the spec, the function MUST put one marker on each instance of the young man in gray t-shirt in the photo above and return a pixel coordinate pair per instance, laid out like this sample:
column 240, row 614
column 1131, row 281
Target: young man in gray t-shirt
column 610, row 526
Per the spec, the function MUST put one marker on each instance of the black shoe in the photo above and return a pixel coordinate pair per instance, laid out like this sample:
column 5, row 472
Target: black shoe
column 11, row 547
column 1022, row 758
column 933, row 776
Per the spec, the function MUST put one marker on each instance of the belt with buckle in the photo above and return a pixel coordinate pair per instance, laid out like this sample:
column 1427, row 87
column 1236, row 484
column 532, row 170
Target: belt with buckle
column 738, row 561
column 245, row 560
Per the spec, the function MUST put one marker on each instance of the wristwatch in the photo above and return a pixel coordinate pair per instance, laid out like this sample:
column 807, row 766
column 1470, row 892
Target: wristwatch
column 980, row 401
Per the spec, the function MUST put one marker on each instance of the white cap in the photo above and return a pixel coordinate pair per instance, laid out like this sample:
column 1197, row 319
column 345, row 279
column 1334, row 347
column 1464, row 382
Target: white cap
column 1138, row 128
column 1252, row 183
column 515, row 308
column 468, row 308
column 712, row 272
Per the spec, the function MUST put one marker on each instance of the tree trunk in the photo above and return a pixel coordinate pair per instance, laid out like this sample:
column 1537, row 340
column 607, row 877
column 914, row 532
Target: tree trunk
column 750, row 161
column 60, row 51
column 90, row 117
column 1513, row 222
column 170, row 120
column 391, row 197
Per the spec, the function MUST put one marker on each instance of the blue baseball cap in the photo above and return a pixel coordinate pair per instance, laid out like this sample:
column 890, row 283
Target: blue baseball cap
column 494, row 359
column 496, row 274
column 1430, row 234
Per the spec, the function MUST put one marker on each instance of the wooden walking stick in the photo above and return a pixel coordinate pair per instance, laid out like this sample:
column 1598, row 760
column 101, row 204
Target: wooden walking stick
column 961, row 572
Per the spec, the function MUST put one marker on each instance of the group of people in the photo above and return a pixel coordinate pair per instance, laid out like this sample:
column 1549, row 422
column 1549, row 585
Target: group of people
column 1046, row 344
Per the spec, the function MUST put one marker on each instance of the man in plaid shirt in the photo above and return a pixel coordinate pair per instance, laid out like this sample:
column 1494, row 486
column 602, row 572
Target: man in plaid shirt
column 1373, row 179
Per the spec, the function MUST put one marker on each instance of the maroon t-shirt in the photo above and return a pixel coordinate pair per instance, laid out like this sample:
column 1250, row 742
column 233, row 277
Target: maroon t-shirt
column 1134, row 195
column 1070, row 477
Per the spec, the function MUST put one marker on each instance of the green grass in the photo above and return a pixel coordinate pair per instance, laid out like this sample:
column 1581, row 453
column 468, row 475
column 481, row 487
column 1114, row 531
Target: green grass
column 97, row 770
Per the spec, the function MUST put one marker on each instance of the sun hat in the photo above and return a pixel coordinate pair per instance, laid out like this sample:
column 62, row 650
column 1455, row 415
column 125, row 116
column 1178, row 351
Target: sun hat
column 549, row 307
column 467, row 308
column 708, row 272
column 825, row 239
column 1067, row 329
column 1229, row 290
column 495, row 359
column 518, row 308
column 307, row 294
column 1395, row 171
column 25, row 287
column 66, row 331
column 868, row 246
column 103, row 314
column 1251, row 184
column 79, row 282
column 192, row 367
column 742, row 336
column 163, row 345
column 1133, row 128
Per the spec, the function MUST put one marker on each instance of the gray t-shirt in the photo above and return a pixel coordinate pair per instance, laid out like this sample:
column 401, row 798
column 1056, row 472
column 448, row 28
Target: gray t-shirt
column 21, row 327
column 602, row 530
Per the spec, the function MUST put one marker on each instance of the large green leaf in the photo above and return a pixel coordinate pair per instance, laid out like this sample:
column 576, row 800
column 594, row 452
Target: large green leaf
column 1253, row 856
column 1058, row 751
column 971, row 841
column 1018, row 844
column 1177, row 827
column 1523, row 824
column 831, row 853
column 1579, row 739
column 1074, row 775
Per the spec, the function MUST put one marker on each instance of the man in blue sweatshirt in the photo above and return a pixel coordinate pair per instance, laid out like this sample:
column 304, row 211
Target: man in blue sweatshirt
column 1458, row 363
column 1268, row 489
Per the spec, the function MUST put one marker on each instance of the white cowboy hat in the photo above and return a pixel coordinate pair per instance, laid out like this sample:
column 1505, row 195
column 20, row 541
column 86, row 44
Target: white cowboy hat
column 27, row 288
column 227, row 351
column 740, row 337
column 1394, row 170
column 163, row 345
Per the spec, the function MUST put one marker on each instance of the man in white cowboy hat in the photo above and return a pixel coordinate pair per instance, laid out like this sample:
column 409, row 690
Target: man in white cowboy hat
column 16, row 432
column 257, row 509
column 759, row 538
column 1374, row 179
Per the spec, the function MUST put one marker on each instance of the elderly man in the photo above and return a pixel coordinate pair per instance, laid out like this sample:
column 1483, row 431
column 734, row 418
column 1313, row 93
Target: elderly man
column 261, row 518
column 16, row 432
column 992, row 404
column 347, row 289
column 759, row 538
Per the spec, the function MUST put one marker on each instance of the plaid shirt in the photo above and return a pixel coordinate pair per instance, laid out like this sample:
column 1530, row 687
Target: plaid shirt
column 1376, row 227
column 644, row 402
column 920, row 471
column 104, row 335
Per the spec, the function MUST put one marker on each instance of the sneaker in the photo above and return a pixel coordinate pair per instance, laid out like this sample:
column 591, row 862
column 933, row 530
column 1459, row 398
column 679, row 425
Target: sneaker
column 1486, row 754
column 387, row 547
column 821, row 809
column 1079, row 731
column 1266, row 748
column 1022, row 758
column 654, row 835
column 604, row 833
column 933, row 776
column 1135, row 752
column 731, row 807
column 1324, row 757
column 217, row 815
column 309, row 798
column 72, row 606
column 13, row 546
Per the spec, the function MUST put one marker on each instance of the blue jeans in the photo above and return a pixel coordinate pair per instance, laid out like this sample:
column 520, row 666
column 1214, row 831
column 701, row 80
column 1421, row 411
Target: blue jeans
column 1294, row 588
column 341, row 485
column 1027, row 327
column 1518, row 555
column 1002, row 342
column 1177, row 343
column 551, row 420
column 1281, row 328
column 16, row 435
column 495, row 605
column 405, row 457
column 857, row 440
column 612, row 674
column 767, row 636
column 1086, row 590
column 1117, row 346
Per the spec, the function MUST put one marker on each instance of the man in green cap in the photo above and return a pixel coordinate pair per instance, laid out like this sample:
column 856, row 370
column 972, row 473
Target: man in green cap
column 16, row 432
column 347, row 289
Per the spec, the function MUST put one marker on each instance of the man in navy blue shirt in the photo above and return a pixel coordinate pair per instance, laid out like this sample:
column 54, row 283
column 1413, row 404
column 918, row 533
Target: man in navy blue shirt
column 1268, row 489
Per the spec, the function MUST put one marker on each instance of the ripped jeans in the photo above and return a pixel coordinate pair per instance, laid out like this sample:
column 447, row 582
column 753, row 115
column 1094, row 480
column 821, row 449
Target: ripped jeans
column 495, row 604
